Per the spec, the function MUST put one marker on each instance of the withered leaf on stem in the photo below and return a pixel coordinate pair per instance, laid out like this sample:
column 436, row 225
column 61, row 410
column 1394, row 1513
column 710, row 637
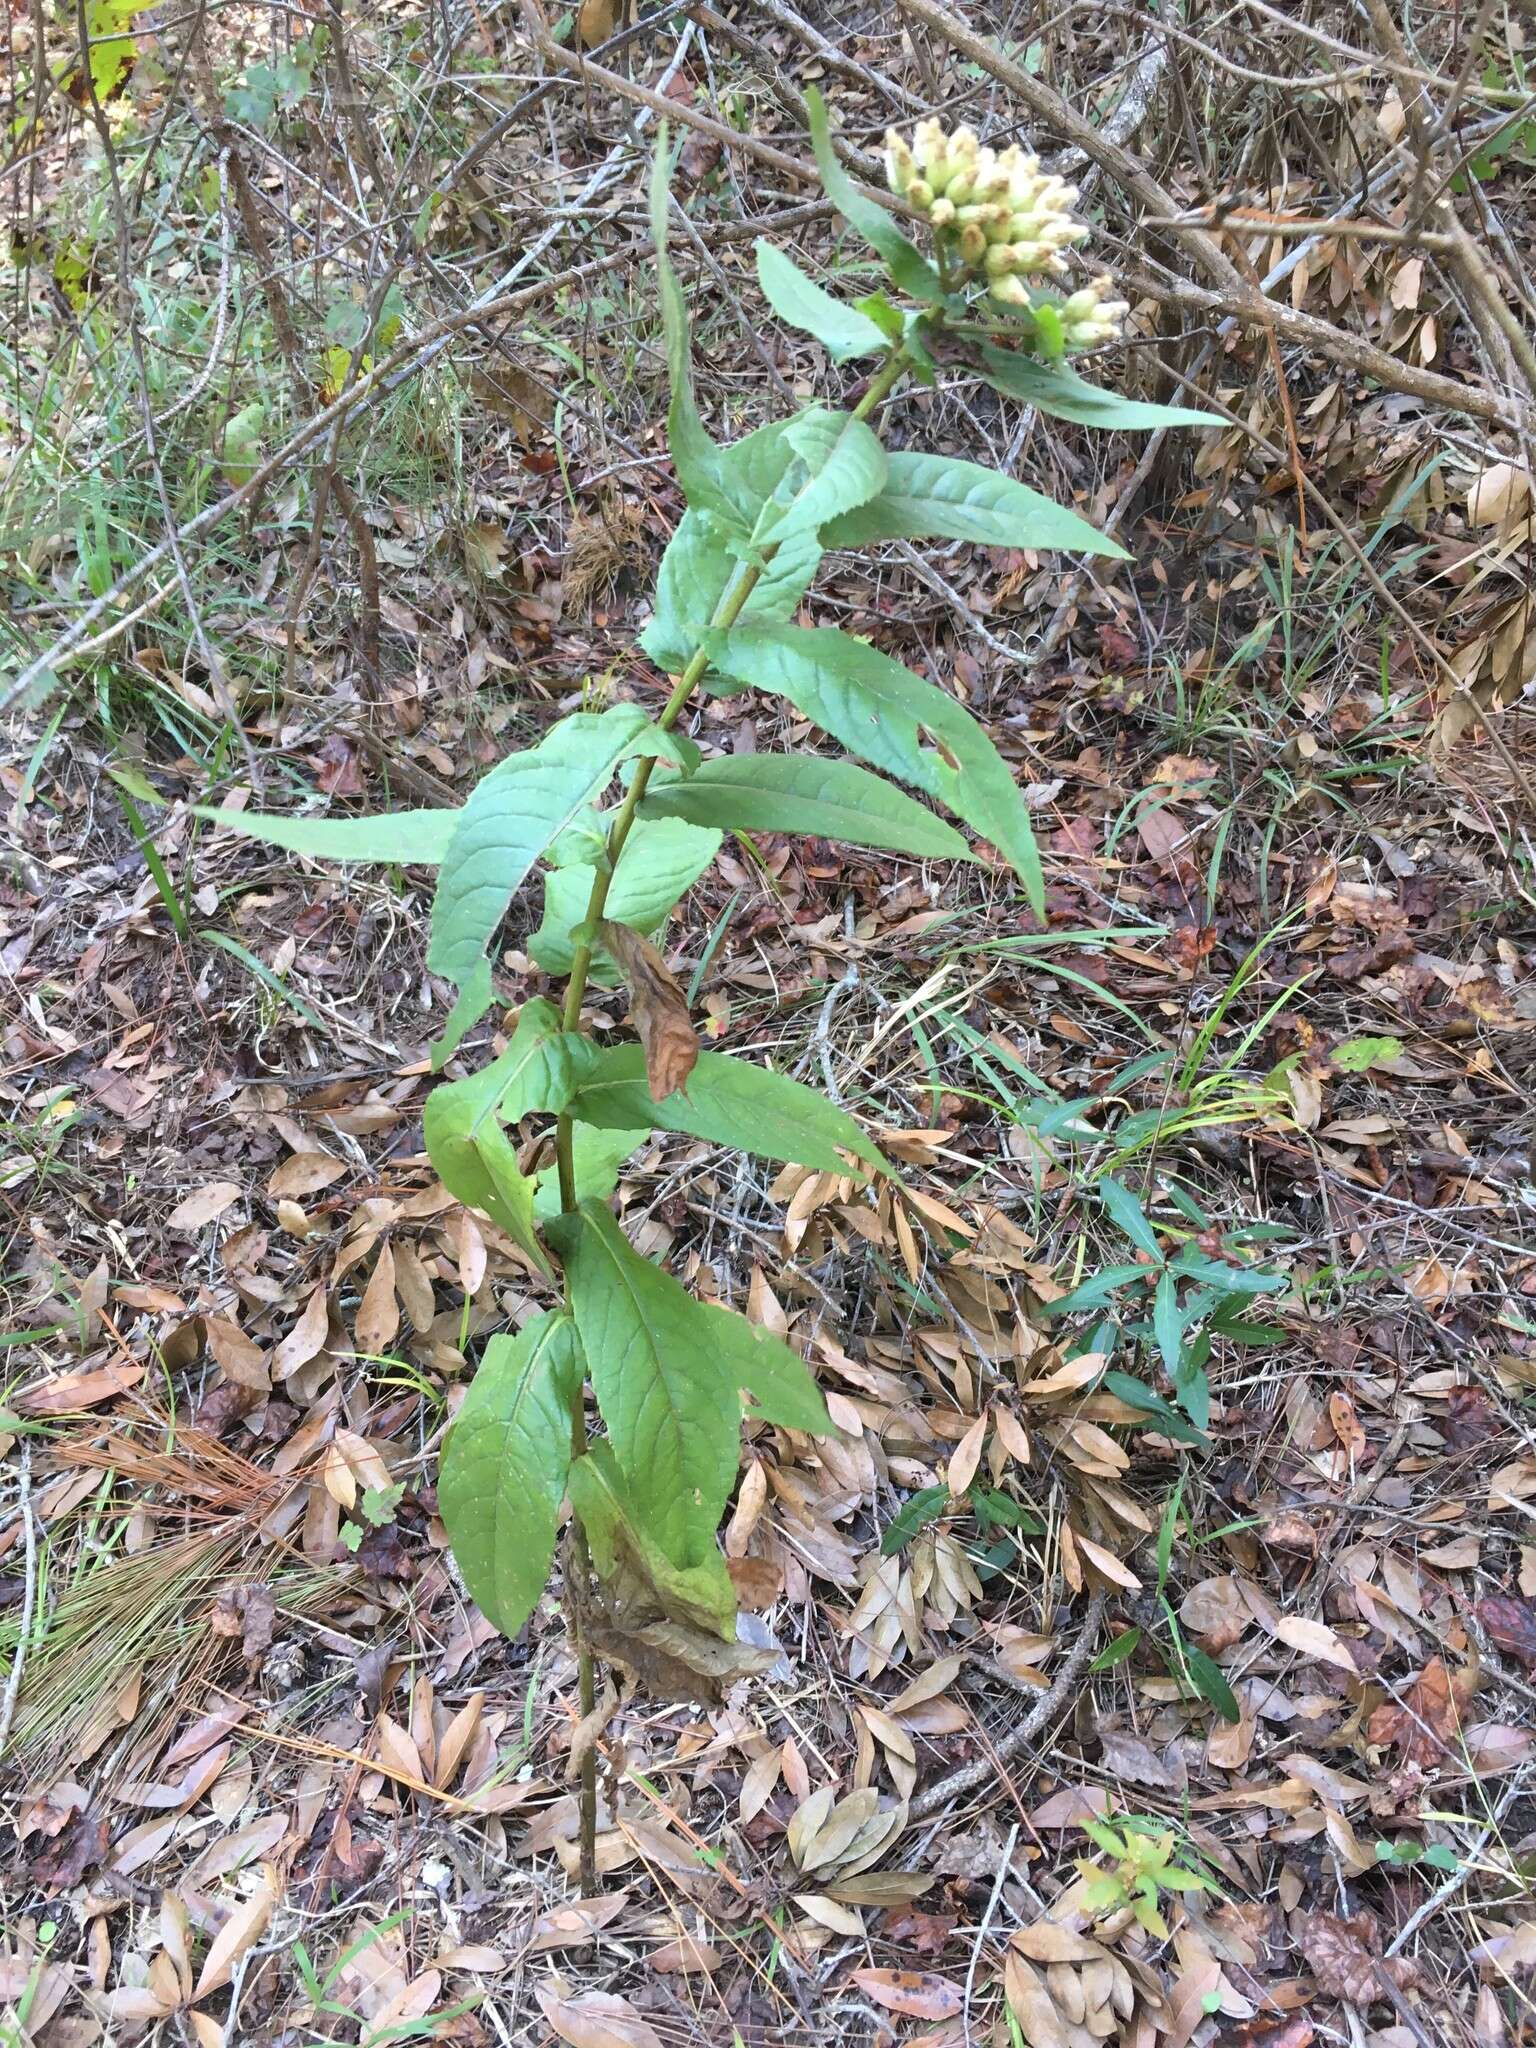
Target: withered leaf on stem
column 659, row 1007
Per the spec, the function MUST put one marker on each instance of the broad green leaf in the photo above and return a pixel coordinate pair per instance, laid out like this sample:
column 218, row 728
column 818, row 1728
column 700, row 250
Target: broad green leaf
column 895, row 721
column 504, row 1466
column 514, row 814
column 913, row 272
column 534, row 1074
column 776, row 1377
column 670, row 1411
column 404, row 838
column 475, row 1161
column 697, row 570
column 804, row 793
column 842, row 330
column 928, row 495
column 695, row 456
column 844, row 466
column 662, row 858
column 596, row 1156
column 1127, row 1213
column 1058, row 389
column 728, row 1102
column 633, row 1565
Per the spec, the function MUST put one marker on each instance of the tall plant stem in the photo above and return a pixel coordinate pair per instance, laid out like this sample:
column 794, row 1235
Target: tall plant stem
column 727, row 612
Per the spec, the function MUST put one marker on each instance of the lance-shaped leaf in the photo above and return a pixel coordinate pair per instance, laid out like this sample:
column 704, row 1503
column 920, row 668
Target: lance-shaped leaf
column 474, row 1159
column 1060, row 390
column 913, row 272
column 729, row 1102
column 695, row 456
column 896, row 721
column 504, row 1466
column 696, row 572
column 844, row 466
column 662, row 858
column 939, row 495
column 804, row 793
column 670, row 1412
column 514, row 814
column 404, row 838
column 842, row 330
column 641, row 1579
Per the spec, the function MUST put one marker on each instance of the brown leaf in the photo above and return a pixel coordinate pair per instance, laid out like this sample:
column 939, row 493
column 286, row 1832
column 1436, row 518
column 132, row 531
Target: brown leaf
column 378, row 1313
column 306, row 1173
column 307, row 1337
column 203, row 1206
column 757, row 1580
column 1341, row 1955
column 925, row 1934
column 1427, row 1727
column 918, row 1994
column 594, row 21
column 240, row 1933
column 249, row 1612
column 1511, row 1626
column 660, row 1010
column 597, row 2019
column 66, row 1859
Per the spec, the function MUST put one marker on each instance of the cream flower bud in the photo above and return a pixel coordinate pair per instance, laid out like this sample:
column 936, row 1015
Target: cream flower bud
column 1009, row 291
column 900, row 164
column 942, row 212
column 973, row 245
column 1000, row 259
column 920, row 193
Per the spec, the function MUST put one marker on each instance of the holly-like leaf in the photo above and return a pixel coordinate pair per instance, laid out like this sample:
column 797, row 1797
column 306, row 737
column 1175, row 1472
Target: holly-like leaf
column 911, row 270
column 504, row 1466
column 1058, row 389
column 671, row 1413
column 662, row 858
column 729, row 1102
column 803, row 793
column 842, row 330
column 513, row 816
column 939, row 495
column 891, row 717
column 405, row 838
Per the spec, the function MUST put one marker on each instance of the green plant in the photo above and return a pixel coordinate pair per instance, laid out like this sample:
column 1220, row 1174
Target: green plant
column 667, row 1370
column 1185, row 1661
column 1144, row 1865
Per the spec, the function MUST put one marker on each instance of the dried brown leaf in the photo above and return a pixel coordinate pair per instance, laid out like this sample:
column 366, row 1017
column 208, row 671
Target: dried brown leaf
column 660, row 1010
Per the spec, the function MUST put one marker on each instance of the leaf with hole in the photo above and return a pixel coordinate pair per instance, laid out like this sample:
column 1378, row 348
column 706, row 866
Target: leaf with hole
column 504, row 1466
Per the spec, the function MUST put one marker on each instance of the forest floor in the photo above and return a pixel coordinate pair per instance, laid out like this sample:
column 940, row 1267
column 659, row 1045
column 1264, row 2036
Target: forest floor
column 268, row 1775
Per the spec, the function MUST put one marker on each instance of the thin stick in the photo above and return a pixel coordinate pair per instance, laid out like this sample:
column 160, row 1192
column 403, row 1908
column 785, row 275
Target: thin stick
column 970, row 1777
column 28, row 1598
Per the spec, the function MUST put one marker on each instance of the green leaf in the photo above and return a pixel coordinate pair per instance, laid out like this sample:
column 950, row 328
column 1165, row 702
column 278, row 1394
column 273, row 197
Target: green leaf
column 661, row 859
column 696, row 571
column 929, row 495
column 596, row 1156
column 1210, row 1681
column 534, row 1074
column 1059, row 390
column 842, row 330
column 671, row 1414
column 728, row 1102
column 1127, row 1213
column 632, row 1564
column 845, row 465
column 912, row 1518
column 695, row 457
column 1117, row 1651
column 1359, row 1055
column 511, row 818
column 474, row 1159
column 777, row 1378
column 504, row 1466
column 886, row 714
column 913, row 272
column 804, row 793
column 404, row 838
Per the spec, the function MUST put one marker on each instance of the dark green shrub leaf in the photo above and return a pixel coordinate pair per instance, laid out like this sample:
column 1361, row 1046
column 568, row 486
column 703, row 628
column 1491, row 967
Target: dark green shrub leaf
column 1058, row 389
column 729, row 1102
column 504, row 1466
column 842, row 330
column 912, row 271
column 404, row 838
column 892, row 718
column 1209, row 1680
column 912, row 1518
column 1129, row 1216
column 1116, row 1652
column 804, row 793
column 939, row 495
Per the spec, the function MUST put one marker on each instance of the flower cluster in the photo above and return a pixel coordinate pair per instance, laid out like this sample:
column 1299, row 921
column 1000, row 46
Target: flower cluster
column 1005, row 218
